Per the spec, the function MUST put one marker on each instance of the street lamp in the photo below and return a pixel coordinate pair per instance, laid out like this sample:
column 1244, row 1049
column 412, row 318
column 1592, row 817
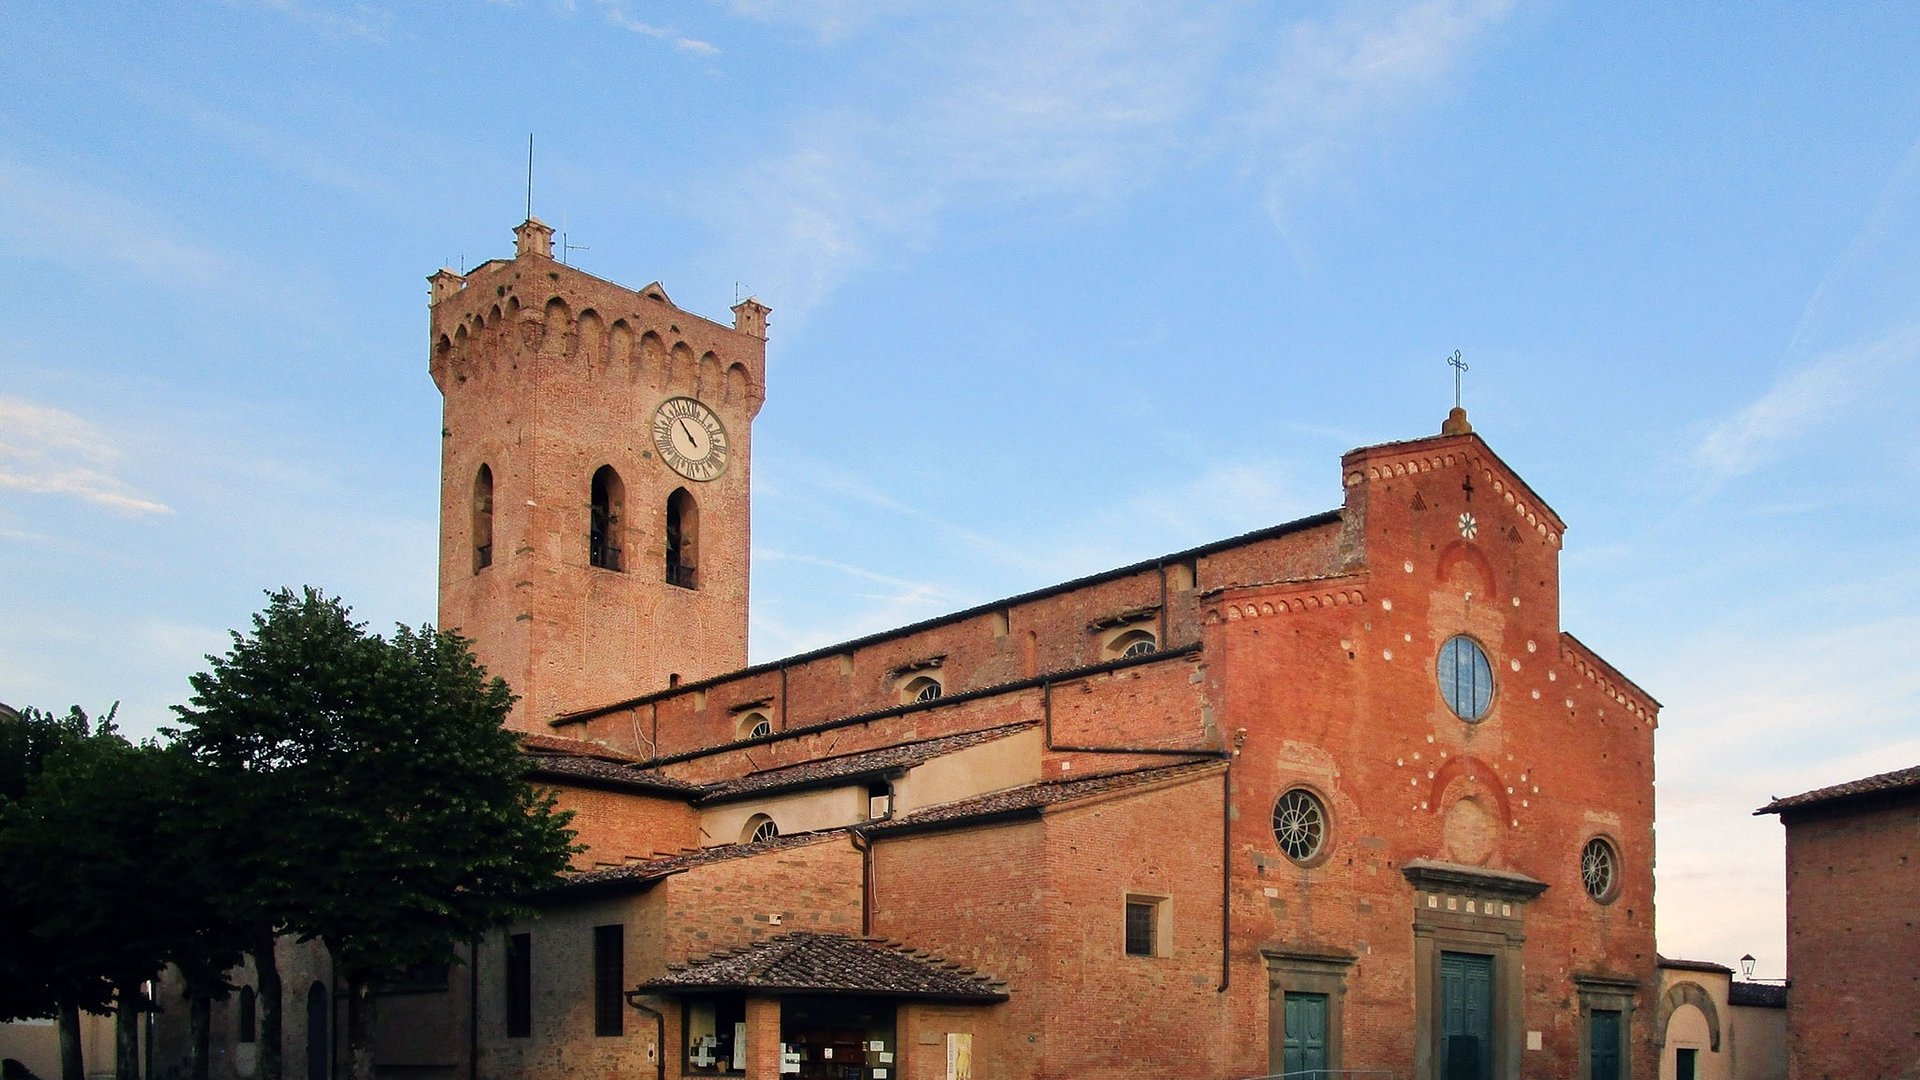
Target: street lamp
column 1746, row 966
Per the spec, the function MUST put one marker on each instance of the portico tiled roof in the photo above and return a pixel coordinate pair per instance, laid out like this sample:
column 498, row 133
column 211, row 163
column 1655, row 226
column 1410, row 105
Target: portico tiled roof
column 1882, row 784
column 1033, row 798
column 866, row 762
column 804, row 962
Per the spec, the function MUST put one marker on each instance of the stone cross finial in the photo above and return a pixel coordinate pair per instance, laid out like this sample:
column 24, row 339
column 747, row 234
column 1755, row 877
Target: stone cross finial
column 1457, row 419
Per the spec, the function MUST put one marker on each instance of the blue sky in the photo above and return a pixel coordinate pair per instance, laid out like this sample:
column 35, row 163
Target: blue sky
column 1055, row 287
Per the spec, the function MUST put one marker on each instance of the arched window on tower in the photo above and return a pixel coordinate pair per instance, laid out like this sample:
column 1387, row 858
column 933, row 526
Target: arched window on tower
column 603, row 529
column 482, row 519
column 683, row 540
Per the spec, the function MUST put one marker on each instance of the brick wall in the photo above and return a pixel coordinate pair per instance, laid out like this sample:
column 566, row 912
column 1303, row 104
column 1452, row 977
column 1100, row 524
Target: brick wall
column 1853, row 940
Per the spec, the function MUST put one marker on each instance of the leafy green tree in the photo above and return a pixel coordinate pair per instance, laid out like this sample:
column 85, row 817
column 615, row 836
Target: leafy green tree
column 92, row 851
column 402, row 823
column 28, row 986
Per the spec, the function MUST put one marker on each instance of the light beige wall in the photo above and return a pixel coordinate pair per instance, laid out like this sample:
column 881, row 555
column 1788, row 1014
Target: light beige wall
column 1687, row 1030
column 976, row 770
column 1759, row 1043
column 807, row 811
column 36, row 1044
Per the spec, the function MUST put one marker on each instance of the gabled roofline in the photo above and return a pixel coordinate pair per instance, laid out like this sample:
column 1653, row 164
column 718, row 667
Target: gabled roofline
column 1388, row 448
column 1312, row 521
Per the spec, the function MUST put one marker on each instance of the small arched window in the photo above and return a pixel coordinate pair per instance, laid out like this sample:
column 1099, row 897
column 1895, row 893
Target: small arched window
column 759, row 827
column 683, row 540
column 603, row 528
column 482, row 519
column 924, row 688
column 1134, row 643
column 755, row 725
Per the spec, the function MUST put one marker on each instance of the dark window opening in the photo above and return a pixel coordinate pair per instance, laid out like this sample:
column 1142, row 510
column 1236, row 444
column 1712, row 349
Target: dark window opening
column 249, row 1028
column 609, row 972
column 716, row 1035
column 519, row 986
column 1686, row 1064
column 603, row 529
column 1142, row 917
column 683, row 540
column 482, row 519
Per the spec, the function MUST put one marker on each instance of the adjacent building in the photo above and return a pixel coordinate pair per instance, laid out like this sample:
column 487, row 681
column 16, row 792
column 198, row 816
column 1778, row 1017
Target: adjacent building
column 1853, row 928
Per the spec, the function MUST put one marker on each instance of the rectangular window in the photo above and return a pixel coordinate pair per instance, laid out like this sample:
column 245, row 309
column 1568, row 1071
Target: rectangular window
column 1143, row 925
column 609, row 964
column 1686, row 1064
column 716, row 1035
column 519, row 986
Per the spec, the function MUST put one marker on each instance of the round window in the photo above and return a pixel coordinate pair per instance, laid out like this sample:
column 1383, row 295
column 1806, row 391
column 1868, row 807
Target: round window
column 1300, row 825
column 1600, row 869
column 1466, row 677
column 761, row 828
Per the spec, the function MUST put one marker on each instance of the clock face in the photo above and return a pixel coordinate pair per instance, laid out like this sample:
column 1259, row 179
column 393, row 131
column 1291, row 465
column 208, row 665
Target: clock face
column 691, row 440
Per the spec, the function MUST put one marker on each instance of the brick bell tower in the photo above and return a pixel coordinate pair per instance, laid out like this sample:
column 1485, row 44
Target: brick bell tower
column 594, row 479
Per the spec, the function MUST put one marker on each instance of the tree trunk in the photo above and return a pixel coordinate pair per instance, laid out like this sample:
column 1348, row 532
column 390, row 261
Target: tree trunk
column 71, row 1067
column 199, row 1033
column 126, row 1031
column 361, row 1006
column 267, row 969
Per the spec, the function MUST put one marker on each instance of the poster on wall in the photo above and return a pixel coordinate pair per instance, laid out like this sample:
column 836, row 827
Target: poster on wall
column 959, row 1055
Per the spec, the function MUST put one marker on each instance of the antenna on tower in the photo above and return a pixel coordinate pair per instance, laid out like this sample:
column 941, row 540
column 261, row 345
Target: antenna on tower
column 529, row 176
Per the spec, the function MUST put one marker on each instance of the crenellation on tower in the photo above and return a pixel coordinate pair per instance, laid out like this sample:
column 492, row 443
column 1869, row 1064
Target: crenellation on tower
column 608, row 433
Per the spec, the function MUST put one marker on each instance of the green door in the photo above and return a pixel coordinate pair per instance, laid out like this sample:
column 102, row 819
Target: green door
column 1466, row 1017
column 1603, row 1045
column 1305, row 1017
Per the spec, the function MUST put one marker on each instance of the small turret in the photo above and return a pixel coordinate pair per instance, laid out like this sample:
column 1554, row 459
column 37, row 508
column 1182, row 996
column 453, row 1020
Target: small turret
column 533, row 237
column 750, row 317
column 443, row 283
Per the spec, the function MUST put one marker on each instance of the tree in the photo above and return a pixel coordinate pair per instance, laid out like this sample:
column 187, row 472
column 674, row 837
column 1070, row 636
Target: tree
column 94, row 862
column 403, row 823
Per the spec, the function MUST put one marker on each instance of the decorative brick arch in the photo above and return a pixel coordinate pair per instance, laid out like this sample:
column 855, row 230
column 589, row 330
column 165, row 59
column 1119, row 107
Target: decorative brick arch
column 1689, row 993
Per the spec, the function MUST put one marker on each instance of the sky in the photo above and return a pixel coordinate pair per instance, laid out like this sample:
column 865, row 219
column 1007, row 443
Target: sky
column 1055, row 287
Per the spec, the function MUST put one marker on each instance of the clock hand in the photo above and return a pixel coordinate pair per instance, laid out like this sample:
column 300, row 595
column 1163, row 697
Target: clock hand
column 688, row 428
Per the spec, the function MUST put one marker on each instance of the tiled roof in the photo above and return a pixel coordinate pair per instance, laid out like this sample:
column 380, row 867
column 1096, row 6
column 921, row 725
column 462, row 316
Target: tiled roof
column 1884, row 783
column 646, row 871
column 556, row 758
column 595, row 771
column 1676, row 964
column 864, row 762
column 1033, row 797
column 804, row 962
column 558, row 744
column 1764, row 995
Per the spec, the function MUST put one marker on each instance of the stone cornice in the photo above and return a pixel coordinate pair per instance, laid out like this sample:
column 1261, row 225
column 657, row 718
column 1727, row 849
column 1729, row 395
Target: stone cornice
column 1285, row 598
column 1433, row 875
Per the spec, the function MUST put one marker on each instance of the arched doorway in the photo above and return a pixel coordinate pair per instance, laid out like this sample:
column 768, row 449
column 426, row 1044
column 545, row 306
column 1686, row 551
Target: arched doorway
column 319, row 1037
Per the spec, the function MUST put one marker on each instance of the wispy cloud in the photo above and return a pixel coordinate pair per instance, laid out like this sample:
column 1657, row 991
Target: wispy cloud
column 1332, row 82
column 50, row 451
column 356, row 20
column 1071, row 107
column 1802, row 402
column 619, row 16
column 47, row 216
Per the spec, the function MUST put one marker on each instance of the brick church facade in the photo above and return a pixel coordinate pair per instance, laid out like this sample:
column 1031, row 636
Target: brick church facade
column 1339, row 794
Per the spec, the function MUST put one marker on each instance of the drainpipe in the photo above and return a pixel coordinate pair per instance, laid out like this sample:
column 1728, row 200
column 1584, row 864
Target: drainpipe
column 659, row 1033
column 784, row 724
column 866, row 881
column 1226, row 876
column 1160, row 569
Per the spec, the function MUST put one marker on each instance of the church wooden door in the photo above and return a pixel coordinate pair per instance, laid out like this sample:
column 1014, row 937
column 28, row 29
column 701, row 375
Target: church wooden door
column 1466, row 1016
